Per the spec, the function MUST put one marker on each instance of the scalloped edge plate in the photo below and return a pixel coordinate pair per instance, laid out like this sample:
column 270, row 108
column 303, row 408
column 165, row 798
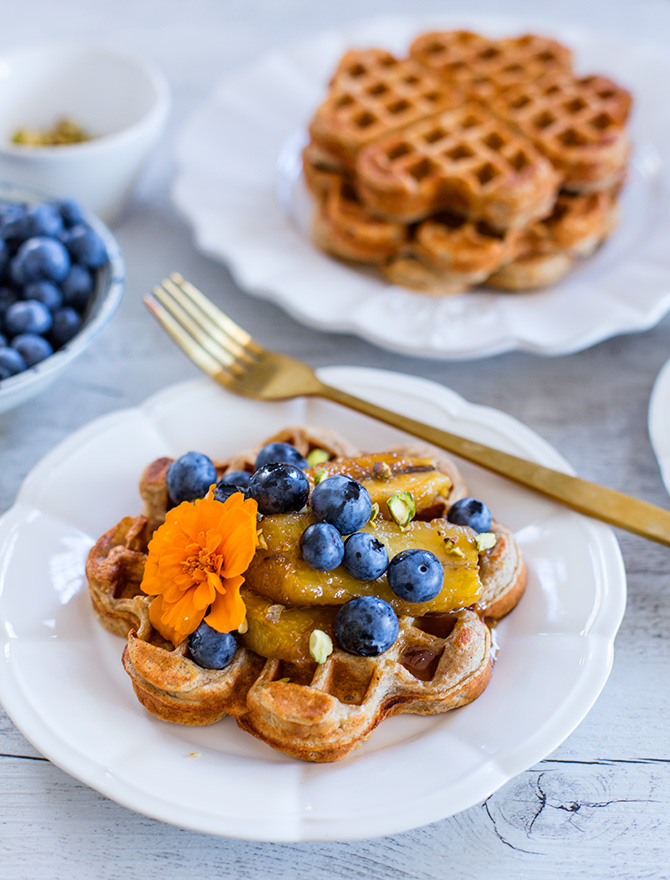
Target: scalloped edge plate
column 63, row 685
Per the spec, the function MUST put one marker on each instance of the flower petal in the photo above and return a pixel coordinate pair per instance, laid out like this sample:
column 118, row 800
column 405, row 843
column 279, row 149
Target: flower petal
column 239, row 540
column 228, row 609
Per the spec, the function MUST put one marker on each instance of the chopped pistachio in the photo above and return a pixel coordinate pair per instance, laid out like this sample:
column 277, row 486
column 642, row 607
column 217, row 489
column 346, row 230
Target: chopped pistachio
column 320, row 645
column 375, row 513
column 274, row 613
column 451, row 547
column 65, row 131
column 317, row 456
column 402, row 508
column 319, row 475
column 194, row 755
column 381, row 471
column 262, row 543
column 243, row 627
column 285, row 680
column 485, row 541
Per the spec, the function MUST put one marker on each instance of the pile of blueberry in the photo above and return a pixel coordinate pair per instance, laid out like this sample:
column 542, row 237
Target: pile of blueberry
column 48, row 259
column 366, row 625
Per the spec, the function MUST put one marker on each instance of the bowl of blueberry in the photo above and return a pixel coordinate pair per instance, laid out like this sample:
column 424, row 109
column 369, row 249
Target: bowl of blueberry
column 61, row 280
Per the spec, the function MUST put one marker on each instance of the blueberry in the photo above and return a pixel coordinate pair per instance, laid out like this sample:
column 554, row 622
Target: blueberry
column 77, row 287
column 236, row 478
column 190, row 476
column 42, row 219
column 7, row 298
column 40, row 259
column 235, row 481
column 280, row 452
column 3, row 340
column 4, row 256
column 66, row 324
column 11, row 362
column 470, row 512
column 415, row 575
column 86, row 246
column 45, row 292
column 343, row 503
column 71, row 212
column 322, row 546
column 223, row 492
column 9, row 211
column 27, row 316
column 365, row 557
column 279, row 487
column 32, row 348
column 366, row 625
column 13, row 221
column 211, row 649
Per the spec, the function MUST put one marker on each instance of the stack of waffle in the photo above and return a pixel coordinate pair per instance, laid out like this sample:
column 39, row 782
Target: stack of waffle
column 472, row 161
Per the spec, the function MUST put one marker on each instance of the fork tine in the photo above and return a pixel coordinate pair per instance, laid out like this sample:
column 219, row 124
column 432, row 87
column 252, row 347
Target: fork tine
column 203, row 319
column 226, row 324
column 198, row 333
column 207, row 363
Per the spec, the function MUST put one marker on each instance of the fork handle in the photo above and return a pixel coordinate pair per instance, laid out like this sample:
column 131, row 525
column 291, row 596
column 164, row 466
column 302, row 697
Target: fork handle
column 612, row 507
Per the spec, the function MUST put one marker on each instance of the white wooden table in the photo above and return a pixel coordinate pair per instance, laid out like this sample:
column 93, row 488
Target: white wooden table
column 598, row 807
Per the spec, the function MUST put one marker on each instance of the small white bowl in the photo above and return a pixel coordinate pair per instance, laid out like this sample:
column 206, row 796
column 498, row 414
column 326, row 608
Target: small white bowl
column 122, row 101
column 110, row 280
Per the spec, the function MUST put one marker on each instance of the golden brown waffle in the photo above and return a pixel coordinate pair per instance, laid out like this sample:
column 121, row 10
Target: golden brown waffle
column 481, row 67
column 343, row 227
column 464, row 160
column 371, row 94
column 448, row 254
column 309, row 711
column 547, row 250
column 578, row 124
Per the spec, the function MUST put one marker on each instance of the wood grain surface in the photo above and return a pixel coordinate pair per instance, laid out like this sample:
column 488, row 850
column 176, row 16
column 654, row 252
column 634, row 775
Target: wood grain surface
column 599, row 806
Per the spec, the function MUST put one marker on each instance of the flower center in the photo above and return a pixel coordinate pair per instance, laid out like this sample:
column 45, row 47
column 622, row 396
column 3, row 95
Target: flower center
column 198, row 564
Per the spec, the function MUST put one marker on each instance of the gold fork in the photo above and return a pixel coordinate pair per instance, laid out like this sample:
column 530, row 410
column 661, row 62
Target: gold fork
column 233, row 358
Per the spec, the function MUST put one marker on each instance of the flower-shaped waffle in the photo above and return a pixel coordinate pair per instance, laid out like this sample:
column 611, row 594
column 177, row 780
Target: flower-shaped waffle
column 518, row 131
column 318, row 711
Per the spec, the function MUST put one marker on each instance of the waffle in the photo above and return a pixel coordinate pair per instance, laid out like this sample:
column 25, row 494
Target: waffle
column 371, row 94
column 465, row 160
column 313, row 712
column 450, row 168
column 547, row 250
column 578, row 124
column 481, row 67
column 343, row 227
column 447, row 254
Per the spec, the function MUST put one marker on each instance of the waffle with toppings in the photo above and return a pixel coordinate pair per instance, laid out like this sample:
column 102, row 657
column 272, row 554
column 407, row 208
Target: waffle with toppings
column 309, row 703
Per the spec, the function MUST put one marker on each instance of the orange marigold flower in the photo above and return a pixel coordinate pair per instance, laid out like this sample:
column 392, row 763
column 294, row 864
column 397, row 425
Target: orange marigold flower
column 196, row 562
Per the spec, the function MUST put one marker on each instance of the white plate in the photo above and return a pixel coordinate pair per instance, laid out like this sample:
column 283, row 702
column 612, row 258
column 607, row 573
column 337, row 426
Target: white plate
column 62, row 683
column 238, row 185
column 659, row 421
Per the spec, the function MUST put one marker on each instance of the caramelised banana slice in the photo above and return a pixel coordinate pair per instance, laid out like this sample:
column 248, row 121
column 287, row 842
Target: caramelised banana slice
column 281, row 574
column 386, row 474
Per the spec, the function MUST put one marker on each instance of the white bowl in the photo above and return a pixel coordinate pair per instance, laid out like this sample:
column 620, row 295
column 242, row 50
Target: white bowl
column 110, row 280
column 122, row 101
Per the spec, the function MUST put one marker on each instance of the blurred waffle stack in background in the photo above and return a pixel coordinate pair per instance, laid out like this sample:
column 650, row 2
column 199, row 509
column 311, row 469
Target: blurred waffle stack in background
column 473, row 161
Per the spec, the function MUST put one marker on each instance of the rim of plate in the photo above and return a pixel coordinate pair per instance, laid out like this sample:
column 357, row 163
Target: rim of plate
column 602, row 627
column 659, row 421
